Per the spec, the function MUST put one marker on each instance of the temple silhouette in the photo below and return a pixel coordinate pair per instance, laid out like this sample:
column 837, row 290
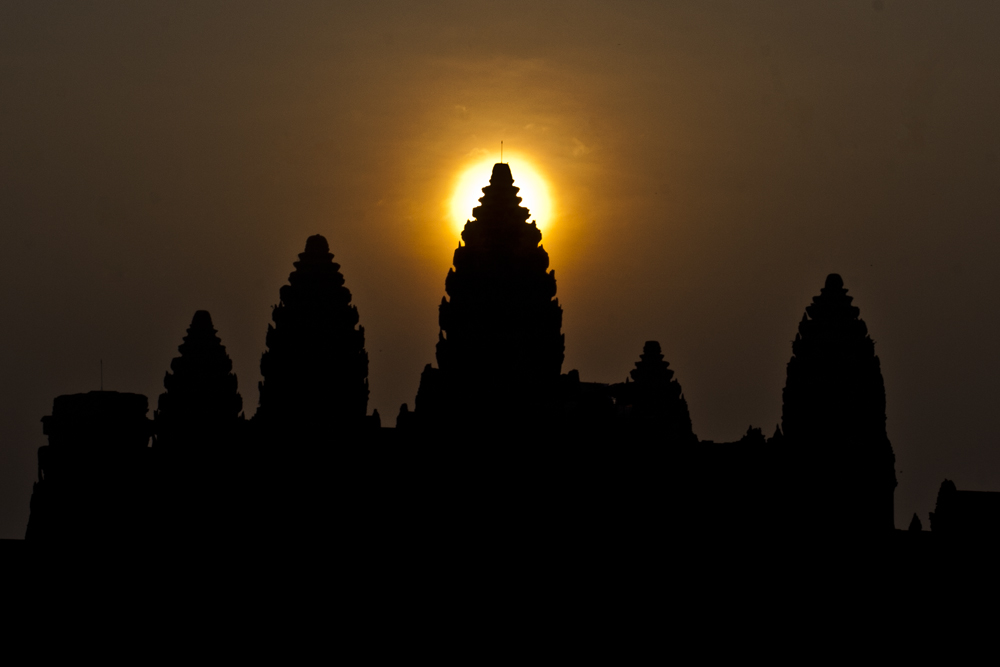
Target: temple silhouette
column 501, row 445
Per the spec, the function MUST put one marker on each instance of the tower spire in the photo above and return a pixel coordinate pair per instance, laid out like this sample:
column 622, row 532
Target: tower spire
column 834, row 416
column 315, row 368
column 500, row 346
column 201, row 403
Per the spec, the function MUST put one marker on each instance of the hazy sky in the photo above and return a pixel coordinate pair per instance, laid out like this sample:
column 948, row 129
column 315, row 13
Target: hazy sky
column 709, row 162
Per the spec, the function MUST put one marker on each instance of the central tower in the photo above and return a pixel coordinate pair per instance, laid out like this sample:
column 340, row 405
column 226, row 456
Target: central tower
column 500, row 347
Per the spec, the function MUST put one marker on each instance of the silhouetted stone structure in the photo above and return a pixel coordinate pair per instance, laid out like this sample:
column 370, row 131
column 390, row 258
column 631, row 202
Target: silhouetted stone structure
column 833, row 418
column 313, row 402
column 199, row 428
column 315, row 368
column 653, row 403
column 94, row 477
column 966, row 514
column 500, row 349
column 201, row 405
column 502, row 451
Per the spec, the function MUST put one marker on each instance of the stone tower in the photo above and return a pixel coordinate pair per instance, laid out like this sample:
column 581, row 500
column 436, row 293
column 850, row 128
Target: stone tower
column 201, row 404
column 500, row 346
column 199, row 429
column 658, row 410
column 315, row 368
column 833, row 418
column 95, row 478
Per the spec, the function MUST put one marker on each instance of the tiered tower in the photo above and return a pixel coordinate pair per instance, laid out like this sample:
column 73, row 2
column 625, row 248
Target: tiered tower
column 500, row 350
column 201, row 405
column 833, row 418
column 659, row 412
column 315, row 368
column 198, row 449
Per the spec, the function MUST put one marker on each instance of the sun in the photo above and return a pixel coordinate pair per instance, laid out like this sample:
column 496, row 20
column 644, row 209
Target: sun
column 474, row 177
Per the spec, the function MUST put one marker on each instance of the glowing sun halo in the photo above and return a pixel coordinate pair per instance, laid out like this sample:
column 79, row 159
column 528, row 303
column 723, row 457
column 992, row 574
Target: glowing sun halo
column 470, row 183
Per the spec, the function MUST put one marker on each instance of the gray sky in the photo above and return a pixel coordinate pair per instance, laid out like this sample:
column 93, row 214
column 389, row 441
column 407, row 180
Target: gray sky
column 709, row 162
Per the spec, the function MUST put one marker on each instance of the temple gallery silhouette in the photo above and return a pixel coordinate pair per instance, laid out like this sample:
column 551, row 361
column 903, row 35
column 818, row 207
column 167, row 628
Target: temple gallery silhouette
column 500, row 441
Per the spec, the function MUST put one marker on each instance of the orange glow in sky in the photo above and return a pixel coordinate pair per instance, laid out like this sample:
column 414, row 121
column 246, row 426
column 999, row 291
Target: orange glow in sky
column 474, row 177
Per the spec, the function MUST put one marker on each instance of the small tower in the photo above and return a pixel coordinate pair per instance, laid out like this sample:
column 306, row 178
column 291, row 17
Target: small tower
column 201, row 405
column 658, row 411
column 833, row 418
